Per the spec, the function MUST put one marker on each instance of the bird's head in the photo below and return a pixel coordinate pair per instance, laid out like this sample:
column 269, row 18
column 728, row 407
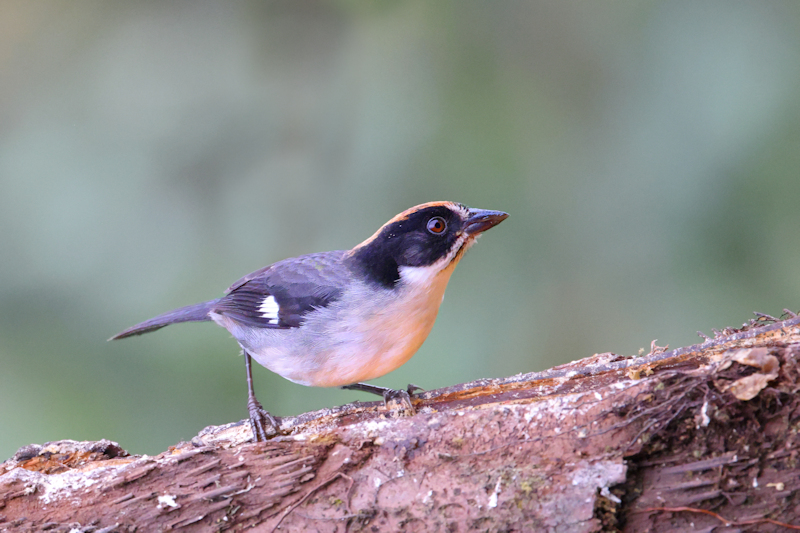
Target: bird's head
column 422, row 241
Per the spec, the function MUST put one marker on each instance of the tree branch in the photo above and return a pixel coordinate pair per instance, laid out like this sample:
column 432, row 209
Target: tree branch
column 602, row 444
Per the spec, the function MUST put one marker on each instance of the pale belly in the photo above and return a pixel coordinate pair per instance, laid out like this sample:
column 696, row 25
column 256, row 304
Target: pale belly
column 341, row 345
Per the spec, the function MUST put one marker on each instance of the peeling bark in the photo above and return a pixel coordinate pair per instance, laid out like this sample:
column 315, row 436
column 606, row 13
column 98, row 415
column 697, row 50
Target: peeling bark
column 689, row 439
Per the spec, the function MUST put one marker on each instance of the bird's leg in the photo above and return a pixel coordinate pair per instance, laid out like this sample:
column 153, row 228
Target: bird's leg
column 403, row 397
column 259, row 417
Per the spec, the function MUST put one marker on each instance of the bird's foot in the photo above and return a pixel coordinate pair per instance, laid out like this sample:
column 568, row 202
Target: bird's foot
column 413, row 388
column 399, row 401
column 263, row 424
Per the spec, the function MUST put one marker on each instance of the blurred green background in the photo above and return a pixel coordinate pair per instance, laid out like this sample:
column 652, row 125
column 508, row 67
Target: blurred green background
column 151, row 153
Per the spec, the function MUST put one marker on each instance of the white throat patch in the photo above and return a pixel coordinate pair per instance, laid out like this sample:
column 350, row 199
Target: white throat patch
column 424, row 275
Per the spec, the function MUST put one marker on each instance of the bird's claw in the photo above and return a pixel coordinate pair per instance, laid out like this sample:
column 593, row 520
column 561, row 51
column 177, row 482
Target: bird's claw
column 413, row 388
column 263, row 425
column 398, row 400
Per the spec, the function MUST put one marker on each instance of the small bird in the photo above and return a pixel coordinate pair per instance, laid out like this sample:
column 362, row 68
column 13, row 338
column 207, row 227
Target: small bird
column 335, row 319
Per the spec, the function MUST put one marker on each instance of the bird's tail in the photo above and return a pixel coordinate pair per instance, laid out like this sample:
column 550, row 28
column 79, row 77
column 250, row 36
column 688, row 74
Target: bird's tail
column 190, row 313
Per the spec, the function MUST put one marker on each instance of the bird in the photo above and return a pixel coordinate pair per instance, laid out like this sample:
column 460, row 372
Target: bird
column 339, row 318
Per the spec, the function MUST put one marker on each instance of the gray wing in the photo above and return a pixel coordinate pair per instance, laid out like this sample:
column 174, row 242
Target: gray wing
column 280, row 295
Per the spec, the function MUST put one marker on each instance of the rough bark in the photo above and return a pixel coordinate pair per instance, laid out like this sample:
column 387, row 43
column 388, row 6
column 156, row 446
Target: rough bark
column 693, row 439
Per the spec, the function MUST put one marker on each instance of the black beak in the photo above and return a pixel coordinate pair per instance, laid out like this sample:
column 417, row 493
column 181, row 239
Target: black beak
column 482, row 219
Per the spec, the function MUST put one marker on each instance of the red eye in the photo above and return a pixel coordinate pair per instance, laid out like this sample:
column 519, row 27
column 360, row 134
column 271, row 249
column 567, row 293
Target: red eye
column 437, row 225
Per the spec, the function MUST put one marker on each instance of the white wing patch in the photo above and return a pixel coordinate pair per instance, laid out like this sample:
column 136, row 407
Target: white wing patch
column 269, row 309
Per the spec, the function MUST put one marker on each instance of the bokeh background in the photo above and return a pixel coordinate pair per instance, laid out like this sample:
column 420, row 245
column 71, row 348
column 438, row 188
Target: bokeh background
column 153, row 152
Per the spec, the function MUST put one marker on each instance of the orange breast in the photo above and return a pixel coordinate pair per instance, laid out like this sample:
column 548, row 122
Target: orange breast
column 389, row 337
